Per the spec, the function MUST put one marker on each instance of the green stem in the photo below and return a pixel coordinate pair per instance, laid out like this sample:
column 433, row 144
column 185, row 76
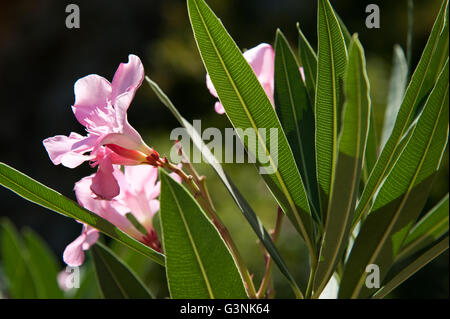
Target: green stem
column 312, row 273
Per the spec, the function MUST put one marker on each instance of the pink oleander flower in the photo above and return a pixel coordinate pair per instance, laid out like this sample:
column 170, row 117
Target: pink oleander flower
column 139, row 190
column 261, row 58
column 101, row 107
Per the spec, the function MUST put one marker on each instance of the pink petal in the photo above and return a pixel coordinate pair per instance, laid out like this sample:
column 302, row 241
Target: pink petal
column 128, row 78
column 74, row 254
column 141, row 178
column 218, row 107
column 210, row 86
column 302, row 73
column 122, row 140
column 121, row 106
column 69, row 150
column 92, row 236
column 262, row 60
column 104, row 184
column 62, row 279
column 154, row 206
column 91, row 94
column 175, row 176
column 107, row 209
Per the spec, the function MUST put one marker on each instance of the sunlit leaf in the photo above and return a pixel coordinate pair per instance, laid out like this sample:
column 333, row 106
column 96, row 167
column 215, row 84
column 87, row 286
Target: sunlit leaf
column 352, row 142
column 198, row 262
column 422, row 82
column 296, row 114
column 331, row 64
column 248, row 108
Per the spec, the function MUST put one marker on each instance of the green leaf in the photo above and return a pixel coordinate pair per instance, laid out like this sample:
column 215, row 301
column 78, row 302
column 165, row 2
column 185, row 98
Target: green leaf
column 397, row 86
column 332, row 61
column 430, row 227
column 116, row 279
column 422, row 81
column 371, row 153
column 249, row 110
column 413, row 267
column 44, row 196
column 238, row 198
column 308, row 60
column 15, row 262
column 198, row 262
column 352, row 142
column 43, row 264
column 296, row 114
column 402, row 194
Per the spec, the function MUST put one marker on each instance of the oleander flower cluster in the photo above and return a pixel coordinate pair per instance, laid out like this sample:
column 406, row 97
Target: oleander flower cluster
column 126, row 180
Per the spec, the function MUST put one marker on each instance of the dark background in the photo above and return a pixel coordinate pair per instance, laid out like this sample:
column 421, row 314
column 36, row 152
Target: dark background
column 40, row 59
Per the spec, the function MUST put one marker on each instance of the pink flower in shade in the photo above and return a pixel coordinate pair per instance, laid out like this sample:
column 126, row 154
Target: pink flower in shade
column 261, row 58
column 139, row 190
column 101, row 107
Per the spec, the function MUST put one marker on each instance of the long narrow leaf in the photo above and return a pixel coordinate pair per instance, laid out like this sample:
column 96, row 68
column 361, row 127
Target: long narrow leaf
column 402, row 195
column 248, row 107
column 352, row 142
column 44, row 196
column 296, row 114
column 198, row 262
column 371, row 154
column 422, row 81
column 331, row 64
